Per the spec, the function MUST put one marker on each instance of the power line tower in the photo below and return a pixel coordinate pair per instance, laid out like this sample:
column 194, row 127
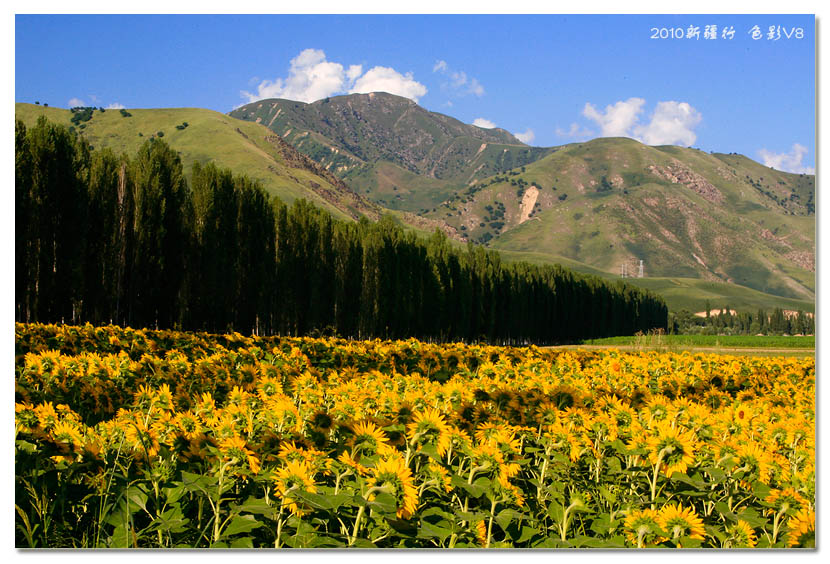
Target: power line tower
column 640, row 274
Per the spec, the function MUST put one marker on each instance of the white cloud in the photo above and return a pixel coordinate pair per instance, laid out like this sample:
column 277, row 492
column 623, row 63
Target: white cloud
column 385, row 79
column 115, row 106
column 618, row 119
column 312, row 77
column 484, row 123
column 527, row 137
column 458, row 82
column 476, row 88
column 76, row 103
column 672, row 123
column 788, row 162
column 354, row 72
column 576, row 132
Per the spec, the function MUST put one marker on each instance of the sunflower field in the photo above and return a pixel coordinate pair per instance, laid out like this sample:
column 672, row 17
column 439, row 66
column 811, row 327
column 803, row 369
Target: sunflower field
column 131, row 438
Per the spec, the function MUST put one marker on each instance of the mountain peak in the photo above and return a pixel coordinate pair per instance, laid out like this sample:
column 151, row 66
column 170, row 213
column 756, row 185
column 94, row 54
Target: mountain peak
column 351, row 131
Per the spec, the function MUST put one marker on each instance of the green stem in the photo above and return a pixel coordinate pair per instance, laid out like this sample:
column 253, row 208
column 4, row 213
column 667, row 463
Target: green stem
column 563, row 528
column 490, row 524
column 654, row 477
column 357, row 524
column 279, row 525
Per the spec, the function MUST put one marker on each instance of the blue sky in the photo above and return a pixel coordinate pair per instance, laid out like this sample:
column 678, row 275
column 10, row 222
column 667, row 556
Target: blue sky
column 551, row 79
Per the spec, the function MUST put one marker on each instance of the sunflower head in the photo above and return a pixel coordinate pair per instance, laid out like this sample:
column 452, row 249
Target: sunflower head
column 481, row 533
column 754, row 460
column 294, row 476
column 368, row 440
column 802, row 529
column 392, row 475
column 322, row 421
column 429, row 427
column 235, row 450
column 678, row 522
column 741, row 535
column 642, row 528
column 144, row 397
column 25, row 417
column 163, row 398
column 547, row 413
column 787, row 501
column 672, row 448
column 188, row 425
column 268, row 386
column 68, row 436
column 564, row 397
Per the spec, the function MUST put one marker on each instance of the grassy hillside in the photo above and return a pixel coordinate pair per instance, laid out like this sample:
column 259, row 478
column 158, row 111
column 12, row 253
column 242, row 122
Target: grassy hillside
column 693, row 293
column 379, row 142
column 714, row 227
column 598, row 206
column 243, row 147
column 679, row 293
column 684, row 212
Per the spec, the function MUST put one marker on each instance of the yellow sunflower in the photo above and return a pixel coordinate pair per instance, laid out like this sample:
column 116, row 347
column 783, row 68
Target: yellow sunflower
column 546, row 413
column 673, row 448
column 680, row 522
column 164, row 398
column 142, row 439
column 439, row 475
column 47, row 417
column 642, row 527
column 268, row 386
column 295, row 475
column 68, row 434
column 25, row 418
column 369, row 439
column 144, row 397
column 802, row 529
column 787, row 501
column 481, row 533
column 429, row 427
column 753, row 460
column 206, row 408
column 224, row 426
column 392, row 474
column 238, row 397
column 742, row 535
column 236, row 448
column 188, row 425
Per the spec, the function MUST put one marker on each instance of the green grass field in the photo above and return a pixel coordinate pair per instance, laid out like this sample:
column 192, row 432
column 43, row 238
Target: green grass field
column 680, row 293
column 711, row 341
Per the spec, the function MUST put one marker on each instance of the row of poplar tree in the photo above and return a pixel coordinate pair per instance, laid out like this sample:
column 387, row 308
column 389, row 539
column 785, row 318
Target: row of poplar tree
column 725, row 322
column 103, row 238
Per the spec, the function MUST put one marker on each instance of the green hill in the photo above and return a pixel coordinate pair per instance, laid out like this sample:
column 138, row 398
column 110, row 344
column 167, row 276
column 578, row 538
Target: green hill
column 395, row 152
column 602, row 205
column 610, row 203
column 679, row 293
column 714, row 227
column 205, row 135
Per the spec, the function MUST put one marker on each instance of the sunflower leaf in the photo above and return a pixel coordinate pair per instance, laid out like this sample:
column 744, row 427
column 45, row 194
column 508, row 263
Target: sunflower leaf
column 384, row 503
column 240, row 524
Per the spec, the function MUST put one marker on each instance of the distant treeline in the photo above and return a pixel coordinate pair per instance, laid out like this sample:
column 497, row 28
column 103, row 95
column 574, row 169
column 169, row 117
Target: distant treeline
column 103, row 238
column 724, row 322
